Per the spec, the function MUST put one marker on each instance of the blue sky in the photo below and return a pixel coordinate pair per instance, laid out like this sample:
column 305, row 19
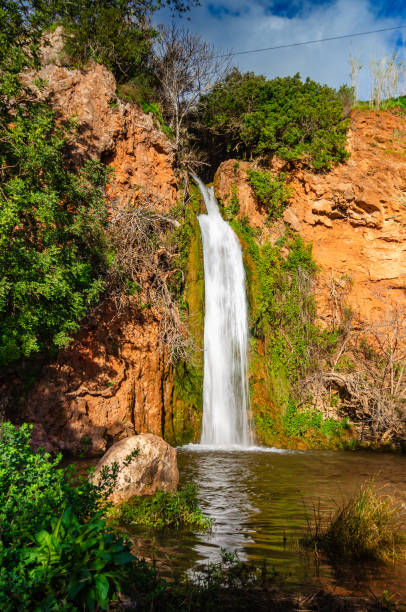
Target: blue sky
column 238, row 25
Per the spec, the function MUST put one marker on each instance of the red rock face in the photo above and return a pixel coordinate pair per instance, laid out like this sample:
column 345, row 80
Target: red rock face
column 109, row 384
column 121, row 134
column 113, row 381
column 355, row 215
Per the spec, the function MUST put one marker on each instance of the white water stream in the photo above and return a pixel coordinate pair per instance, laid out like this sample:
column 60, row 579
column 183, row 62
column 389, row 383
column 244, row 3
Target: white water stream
column 225, row 386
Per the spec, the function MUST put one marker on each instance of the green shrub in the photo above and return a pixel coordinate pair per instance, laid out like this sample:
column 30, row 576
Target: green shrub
column 346, row 95
column 272, row 192
column 179, row 510
column 141, row 87
column 366, row 526
column 50, row 563
column 52, row 221
column 247, row 115
column 52, row 238
column 77, row 563
column 117, row 34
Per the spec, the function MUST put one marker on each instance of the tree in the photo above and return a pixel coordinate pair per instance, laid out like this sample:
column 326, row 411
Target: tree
column 186, row 68
column 219, row 118
column 116, row 33
column 52, row 220
column 249, row 116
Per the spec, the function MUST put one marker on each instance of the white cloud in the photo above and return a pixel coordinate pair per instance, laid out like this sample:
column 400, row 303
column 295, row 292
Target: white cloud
column 326, row 62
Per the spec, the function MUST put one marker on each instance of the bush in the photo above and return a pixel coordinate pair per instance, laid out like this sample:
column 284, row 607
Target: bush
column 292, row 344
column 178, row 510
column 56, row 552
column 116, row 34
column 347, row 97
column 366, row 526
column 111, row 33
column 52, row 221
column 247, row 115
column 52, row 237
column 77, row 563
column 271, row 192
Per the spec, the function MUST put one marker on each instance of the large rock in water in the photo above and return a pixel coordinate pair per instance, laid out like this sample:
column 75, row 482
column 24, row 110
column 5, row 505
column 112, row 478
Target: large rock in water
column 155, row 467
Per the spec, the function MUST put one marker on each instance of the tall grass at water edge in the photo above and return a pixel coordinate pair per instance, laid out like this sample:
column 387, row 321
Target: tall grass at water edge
column 368, row 525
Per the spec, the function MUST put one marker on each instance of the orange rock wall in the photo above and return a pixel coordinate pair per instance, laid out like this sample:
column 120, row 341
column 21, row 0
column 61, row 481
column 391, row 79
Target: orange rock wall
column 113, row 381
column 355, row 215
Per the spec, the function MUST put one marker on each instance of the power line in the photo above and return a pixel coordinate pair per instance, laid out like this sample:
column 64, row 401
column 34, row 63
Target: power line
column 310, row 42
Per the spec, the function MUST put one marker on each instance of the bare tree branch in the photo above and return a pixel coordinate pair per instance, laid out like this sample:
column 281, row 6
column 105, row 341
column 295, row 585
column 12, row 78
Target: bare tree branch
column 186, row 67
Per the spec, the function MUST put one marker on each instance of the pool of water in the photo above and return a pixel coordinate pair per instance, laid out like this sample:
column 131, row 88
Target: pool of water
column 259, row 501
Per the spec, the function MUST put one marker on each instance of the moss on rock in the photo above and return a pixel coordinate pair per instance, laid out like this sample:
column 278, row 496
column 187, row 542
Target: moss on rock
column 183, row 423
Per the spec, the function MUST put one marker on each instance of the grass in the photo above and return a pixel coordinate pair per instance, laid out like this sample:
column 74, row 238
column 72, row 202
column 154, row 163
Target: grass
column 179, row 510
column 365, row 526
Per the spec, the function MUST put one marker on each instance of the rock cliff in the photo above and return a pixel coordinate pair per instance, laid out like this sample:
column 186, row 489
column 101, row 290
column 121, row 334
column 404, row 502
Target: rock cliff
column 355, row 215
column 113, row 381
column 355, row 218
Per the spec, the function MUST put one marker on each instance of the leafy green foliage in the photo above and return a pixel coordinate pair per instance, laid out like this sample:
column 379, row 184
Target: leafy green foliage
column 52, row 221
column 111, row 33
column 178, row 510
column 231, row 209
column 51, row 237
column 282, row 317
column 154, row 108
column 300, row 423
column 56, row 552
column 78, row 563
column 22, row 24
column 296, row 424
column 116, row 34
column 284, row 303
column 247, row 115
column 272, row 192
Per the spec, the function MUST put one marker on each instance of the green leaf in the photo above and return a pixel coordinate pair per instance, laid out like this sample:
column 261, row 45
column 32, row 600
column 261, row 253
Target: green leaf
column 102, row 588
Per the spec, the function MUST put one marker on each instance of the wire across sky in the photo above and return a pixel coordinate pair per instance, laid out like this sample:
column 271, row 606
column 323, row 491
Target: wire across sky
column 310, row 42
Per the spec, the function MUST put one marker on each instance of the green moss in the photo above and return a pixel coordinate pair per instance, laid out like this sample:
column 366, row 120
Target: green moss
column 183, row 421
column 287, row 341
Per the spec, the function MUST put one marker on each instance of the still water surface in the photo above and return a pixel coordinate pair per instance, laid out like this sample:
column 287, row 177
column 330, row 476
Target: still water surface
column 259, row 500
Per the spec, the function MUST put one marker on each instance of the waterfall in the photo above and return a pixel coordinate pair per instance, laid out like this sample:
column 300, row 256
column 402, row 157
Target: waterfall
column 225, row 386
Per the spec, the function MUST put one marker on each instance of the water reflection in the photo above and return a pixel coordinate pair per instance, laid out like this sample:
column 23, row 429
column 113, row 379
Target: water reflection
column 259, row 501
column 225, row 497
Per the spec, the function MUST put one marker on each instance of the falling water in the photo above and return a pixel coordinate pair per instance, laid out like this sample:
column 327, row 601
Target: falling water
column 225, row 387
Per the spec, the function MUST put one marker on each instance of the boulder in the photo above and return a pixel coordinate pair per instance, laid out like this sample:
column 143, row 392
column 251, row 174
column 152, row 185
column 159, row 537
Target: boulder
column 154, row 468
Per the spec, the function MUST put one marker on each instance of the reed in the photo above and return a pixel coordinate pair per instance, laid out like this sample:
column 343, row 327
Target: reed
column 368, row 525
